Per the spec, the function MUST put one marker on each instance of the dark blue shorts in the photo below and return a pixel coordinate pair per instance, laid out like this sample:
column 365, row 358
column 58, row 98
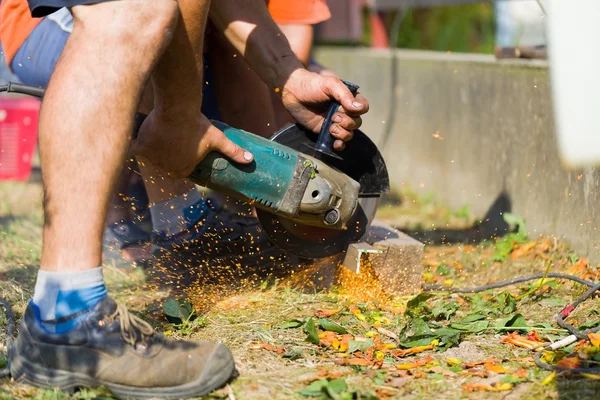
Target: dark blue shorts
column 36, row 58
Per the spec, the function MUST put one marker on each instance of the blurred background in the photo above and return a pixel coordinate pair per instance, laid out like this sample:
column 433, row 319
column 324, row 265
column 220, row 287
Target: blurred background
column 469, row 26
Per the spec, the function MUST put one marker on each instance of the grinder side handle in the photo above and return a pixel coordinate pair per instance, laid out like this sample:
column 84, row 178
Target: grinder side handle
column 325, row 140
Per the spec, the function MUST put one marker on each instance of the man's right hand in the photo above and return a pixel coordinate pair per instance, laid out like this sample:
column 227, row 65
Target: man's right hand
column 176, row 143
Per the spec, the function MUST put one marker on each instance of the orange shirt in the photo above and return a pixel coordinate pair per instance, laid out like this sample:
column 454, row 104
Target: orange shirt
column 16, row 24
column 298, row 12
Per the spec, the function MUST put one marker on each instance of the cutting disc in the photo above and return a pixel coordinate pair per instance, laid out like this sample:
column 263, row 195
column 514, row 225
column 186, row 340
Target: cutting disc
column 360, row 160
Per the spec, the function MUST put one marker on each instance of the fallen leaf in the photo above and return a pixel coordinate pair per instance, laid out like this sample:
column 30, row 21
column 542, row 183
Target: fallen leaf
column 399, row 382
column 533, row 335
column 358, row 361
column 580, row 268
column 494, row 387
column 416, row 364
column 357, row 313
column 442, row 371
column 522, row 250
column 453, row 361
column 519, row 340
column 417, row 349
column 328, row 325
column 476, row 363
column 590, row 376
column 388, row 333
column 544, row 246
column 266, row 346
column 499, row 369
column 326, row 313
column 311, row 331
column 549, row 379
column 594, row 338
column 521, row 373
column 569, row 362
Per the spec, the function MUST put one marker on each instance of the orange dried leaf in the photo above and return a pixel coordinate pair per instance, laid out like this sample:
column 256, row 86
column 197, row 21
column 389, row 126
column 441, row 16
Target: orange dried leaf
column 326, row 313
column 499, row 369
column 415, row 350
column 266, row 346
column 476, row 363
column 569, row 362
column 522, row 250
column 519, row 340
column 544, row 246
column 580, row 268
column 594, row 338
column 416, row 364
column 521, row 373
column 533, row 335
column 496, row 387
column 359, row 361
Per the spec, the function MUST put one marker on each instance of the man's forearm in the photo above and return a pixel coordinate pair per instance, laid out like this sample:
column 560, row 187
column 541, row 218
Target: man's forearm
column 248, row 25
column 177, row 77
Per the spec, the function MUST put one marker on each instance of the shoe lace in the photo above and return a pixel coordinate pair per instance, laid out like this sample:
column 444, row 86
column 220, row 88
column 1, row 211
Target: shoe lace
column 131, row 325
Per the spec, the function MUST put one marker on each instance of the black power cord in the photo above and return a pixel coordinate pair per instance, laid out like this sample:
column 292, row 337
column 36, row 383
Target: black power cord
column 560, row 317
column 12, row 87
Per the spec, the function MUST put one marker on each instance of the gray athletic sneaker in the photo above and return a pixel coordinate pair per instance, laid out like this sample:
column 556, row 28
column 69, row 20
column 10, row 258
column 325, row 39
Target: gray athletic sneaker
column 114, row 348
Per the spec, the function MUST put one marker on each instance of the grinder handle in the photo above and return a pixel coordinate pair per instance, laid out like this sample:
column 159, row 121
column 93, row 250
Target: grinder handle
column 325, row 140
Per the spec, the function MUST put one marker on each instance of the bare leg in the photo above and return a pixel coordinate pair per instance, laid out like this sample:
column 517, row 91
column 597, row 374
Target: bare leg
column 160, row 186
column 82, row 155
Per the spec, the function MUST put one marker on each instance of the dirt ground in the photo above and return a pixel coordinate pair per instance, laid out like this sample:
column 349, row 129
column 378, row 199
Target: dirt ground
column 353, row 341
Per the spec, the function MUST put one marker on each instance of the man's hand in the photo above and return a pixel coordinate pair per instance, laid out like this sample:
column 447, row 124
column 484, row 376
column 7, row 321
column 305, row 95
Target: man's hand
column 306, row 96
column 177, row 143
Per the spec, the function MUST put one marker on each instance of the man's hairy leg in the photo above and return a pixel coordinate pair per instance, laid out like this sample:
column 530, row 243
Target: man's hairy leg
column 86, row 120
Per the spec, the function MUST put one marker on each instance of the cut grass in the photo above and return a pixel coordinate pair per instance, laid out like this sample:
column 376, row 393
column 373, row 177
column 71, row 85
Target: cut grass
column 248, row 318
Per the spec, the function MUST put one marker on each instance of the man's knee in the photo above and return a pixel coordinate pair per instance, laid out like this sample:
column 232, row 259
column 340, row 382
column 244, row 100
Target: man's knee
column 138, row 22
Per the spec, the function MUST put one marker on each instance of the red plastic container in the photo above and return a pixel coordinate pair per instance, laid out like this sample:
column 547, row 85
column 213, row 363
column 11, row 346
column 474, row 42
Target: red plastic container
column 18, row 136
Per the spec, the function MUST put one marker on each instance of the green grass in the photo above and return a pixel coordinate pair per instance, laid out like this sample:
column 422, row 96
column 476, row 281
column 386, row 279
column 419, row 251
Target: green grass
column 249, row 318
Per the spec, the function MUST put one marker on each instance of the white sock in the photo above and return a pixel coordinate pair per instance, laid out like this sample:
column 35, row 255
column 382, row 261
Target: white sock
column 172, row 216
column 59, row 295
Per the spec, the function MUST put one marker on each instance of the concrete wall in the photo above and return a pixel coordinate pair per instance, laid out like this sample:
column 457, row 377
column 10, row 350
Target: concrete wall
column 470, row 128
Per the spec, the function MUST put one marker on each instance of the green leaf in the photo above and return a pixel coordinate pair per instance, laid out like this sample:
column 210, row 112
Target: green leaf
column 443, row 270
column 315, row 389
column 514, row 220
column 418, row 327
column 473, row 327
column 292, row 355
column 335, row 387
column 508, row 304
column 311, row 331
column 553, row 302
column 177, row 311
column 503, row 249
column 517, row 321
column 419, row 342
column 293, row 323
column 354, row 345
column 473, row 318
column 512, row 379
column 3, row 362
column 325, row 389
column 416, row 301
column 445, row 309
column 328, row 325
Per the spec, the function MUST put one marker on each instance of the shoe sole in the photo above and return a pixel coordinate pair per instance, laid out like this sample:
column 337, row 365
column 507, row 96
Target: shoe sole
column 38, row 376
